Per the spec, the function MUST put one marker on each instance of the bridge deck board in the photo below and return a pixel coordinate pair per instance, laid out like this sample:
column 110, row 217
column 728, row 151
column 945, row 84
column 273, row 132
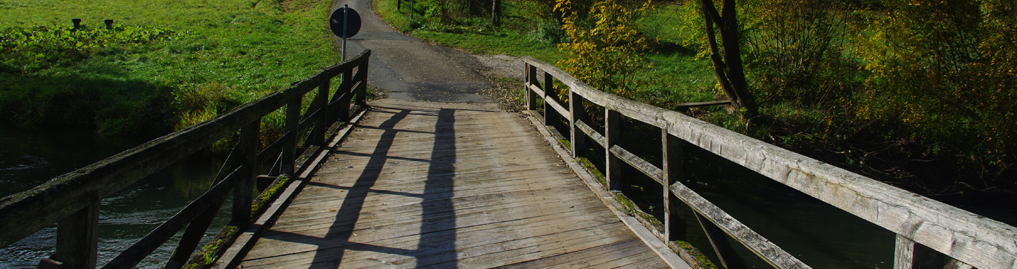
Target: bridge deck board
column 446, row 185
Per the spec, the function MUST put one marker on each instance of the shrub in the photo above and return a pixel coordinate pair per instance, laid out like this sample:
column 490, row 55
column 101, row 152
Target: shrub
column 31, row 49
column 945, row 72
column 606, row 48
column 793, row 51
column 549, row 33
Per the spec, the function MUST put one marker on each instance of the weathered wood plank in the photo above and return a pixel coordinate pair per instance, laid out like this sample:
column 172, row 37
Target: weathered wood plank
column 47, row 203
column 592, row 134
column 908, row 255
column 734, row 228
column 635, row 161
column 529, row 92
column 69, row 193
column 577, row 113
column 536, row 90
column 674, row 171
column 612, row 133
column 981, row 242
column 702, row 104
column 135, row 253
column 558, row 108
column 78, row 238
column 417, row 211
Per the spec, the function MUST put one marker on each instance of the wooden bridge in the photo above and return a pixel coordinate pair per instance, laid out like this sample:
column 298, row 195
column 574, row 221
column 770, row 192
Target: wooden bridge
column 423, row 184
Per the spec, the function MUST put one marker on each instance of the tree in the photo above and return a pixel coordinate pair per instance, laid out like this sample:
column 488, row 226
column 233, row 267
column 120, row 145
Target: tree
column 729, row 70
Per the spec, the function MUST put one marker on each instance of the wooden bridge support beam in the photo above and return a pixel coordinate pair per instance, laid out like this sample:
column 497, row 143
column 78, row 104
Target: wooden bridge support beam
column 674, row 169
column 292, row 127
column 362, row 87
column 612, row 135
column 577, row 112
column 318, row 134
column 910, row 255
column 243, row 194
column 77, row 240
column 548, row 87
column 531, row 98
column 345, row 94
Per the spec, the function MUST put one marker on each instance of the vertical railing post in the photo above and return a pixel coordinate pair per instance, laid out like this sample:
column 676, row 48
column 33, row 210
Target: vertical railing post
column 612, row 163
column 910, row 255
column 674, row 169
column 577, row 113
column 243, row 194
column 292, row 127
column 322, row 114
column 362, row 87
column 531, row 99
column 344, row 100
column 78, row 239
column 549, row 111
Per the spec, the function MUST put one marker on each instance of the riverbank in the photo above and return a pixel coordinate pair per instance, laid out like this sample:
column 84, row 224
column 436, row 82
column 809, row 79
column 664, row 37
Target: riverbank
column 157, row 70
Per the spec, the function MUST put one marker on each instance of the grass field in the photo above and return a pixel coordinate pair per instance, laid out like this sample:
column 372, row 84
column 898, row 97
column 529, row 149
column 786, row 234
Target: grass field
column 208, row 57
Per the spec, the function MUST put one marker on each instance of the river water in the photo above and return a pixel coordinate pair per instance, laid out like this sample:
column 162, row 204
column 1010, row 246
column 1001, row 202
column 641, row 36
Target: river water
column 29, row 157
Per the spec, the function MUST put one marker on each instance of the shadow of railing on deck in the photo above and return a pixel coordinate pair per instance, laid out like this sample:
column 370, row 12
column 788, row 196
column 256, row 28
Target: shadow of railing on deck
column 436, row 245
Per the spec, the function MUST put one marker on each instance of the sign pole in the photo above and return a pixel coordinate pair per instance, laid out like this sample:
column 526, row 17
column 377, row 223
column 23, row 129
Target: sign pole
column 345, row 26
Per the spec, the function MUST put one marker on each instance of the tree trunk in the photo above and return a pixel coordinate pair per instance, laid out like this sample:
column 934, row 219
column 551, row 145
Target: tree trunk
column 496, row 12
column 729, row 70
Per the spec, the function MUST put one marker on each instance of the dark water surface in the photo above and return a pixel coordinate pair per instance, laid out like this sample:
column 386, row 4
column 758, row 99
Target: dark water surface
column 29, row 157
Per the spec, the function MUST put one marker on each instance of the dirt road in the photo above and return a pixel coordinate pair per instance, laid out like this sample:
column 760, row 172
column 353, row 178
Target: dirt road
column 411, row 69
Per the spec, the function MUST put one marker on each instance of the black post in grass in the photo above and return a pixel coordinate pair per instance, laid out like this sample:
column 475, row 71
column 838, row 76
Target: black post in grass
column 109, row 24
column 77, row 23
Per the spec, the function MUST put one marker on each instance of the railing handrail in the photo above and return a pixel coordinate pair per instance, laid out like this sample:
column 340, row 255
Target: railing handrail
column 962, row 235
column 29, row 211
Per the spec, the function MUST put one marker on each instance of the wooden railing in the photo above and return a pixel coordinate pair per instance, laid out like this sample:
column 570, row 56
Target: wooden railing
column 72, row 200
column 925, row 228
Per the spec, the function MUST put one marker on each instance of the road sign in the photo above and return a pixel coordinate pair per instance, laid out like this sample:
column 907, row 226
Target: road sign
column 345, row 22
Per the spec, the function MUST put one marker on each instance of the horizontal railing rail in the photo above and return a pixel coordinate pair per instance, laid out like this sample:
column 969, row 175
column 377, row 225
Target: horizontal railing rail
column 72, row 200
column 924, row 227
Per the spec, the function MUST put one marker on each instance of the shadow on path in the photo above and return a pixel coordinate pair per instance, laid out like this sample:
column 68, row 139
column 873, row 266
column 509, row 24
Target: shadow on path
column 437, row 231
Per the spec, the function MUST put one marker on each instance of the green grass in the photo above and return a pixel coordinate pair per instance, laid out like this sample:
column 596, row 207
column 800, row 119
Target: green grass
column 474, row 35
column 224, row 52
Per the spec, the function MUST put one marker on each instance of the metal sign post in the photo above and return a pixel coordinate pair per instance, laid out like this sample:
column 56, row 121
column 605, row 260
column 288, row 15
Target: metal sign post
column 345, row 23
column 346, row 26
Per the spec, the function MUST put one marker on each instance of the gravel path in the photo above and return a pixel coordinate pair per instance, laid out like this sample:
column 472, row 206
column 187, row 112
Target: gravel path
column 410, row 69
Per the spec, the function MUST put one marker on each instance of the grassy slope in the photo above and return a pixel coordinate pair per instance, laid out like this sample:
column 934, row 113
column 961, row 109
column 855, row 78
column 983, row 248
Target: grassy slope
column 222, row 53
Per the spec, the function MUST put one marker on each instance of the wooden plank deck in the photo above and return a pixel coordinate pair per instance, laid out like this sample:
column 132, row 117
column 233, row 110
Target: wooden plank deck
column 447, row 185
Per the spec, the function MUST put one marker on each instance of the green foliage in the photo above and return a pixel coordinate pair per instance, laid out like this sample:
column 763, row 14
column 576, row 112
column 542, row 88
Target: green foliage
column 945, row 72
column 549, row 33
column 25, row 50
column 794, row 50
column 606, row 47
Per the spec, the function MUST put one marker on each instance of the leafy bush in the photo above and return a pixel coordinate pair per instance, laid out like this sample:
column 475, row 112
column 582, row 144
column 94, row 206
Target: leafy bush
column 549, row 33
column 793, row 51
column 945, row 72
column 31, row 49
column 606, row 48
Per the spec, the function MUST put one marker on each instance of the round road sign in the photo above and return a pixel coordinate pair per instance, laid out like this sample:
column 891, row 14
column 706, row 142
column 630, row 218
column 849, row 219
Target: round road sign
column 345, row 22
